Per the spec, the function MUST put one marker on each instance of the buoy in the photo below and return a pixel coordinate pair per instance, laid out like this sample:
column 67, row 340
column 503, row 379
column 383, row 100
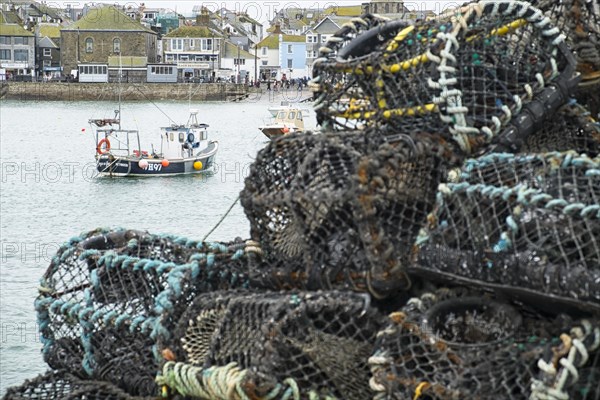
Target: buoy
column 198, row 165
column 143, row 164
column 285, row 129
column 165, row 163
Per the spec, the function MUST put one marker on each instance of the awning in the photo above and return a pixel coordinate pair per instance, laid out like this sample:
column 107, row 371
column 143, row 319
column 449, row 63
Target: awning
column 52, row 68
column 190, row 70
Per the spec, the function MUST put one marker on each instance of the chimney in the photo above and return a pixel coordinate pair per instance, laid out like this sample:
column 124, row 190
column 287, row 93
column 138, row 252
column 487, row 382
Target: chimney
column 277, row 29
column 203, row 18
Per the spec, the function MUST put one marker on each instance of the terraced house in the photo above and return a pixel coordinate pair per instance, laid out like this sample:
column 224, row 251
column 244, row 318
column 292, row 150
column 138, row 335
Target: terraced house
column 197, row 51
column 48, row 51
column 17, row 50
column 106, row 41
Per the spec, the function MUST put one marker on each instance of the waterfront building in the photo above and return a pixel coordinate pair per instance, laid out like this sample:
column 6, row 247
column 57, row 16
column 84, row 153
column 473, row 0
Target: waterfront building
column 17, row 51
column 196, row 50
column 106, row 33
column 317, row 36
column 282, row 56
column 48, row 50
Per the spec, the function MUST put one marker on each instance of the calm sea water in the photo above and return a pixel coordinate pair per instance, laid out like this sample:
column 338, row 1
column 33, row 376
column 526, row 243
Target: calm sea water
column 49, row 194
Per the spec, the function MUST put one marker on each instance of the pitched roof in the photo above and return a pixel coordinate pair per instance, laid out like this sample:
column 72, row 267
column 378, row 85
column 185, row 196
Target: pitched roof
column 13, row 30
column 9, row 17
column 43, row 9
column 344, row 11
column 246, row 18
column 107, row 18
column 231, row 51
column 49, row 30
column 47, row 42
column 272, row 41
column 192, row 32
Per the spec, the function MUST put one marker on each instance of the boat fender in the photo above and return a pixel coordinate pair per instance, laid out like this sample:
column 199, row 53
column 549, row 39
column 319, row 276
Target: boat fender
column 285, row 129
column 99, row 147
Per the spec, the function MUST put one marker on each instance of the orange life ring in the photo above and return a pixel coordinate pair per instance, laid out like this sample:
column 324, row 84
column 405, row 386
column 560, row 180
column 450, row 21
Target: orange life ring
column 99, row 147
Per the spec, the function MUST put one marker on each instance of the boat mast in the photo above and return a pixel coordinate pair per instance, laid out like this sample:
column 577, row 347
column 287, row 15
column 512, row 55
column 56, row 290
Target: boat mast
column 120, row 88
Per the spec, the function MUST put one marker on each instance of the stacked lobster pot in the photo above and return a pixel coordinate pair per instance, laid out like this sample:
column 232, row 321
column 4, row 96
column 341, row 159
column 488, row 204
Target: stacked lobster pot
column 438, row 239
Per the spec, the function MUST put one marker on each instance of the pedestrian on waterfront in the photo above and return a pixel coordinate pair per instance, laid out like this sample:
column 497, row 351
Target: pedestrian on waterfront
column 269, row 85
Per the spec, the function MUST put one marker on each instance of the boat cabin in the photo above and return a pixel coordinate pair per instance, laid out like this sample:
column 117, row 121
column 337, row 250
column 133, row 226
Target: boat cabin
column 183, row 141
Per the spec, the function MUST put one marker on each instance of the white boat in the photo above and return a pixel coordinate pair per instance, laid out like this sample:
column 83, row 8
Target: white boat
column 184, row 149
column 286, row 119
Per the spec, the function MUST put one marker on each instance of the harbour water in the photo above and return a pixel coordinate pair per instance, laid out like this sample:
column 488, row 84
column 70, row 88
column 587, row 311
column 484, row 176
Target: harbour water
column 49, row 193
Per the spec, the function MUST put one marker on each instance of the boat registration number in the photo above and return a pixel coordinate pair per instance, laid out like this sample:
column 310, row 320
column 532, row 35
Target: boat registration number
column 153, row 167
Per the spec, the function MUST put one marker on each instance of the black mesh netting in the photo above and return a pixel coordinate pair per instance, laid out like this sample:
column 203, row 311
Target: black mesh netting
column 342, row 209
column 105, row 293
column 447, row 75
column 579, row 21
column 348, row 223
column 55, row 385
column 571, row 128
column 316, row 344
column 528, row 223
column 454, row 344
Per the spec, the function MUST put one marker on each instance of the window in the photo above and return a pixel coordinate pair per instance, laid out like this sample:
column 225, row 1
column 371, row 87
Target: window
column 265, row 51
column 117, row 45
column 292, row 115
column 265, row 62
column 47, row 52
column 324, row 38
column 176, row 44
column 311, row 39
column 47, row 63
column 5, row 40
column 5, row 55
column 239, row 61
column 192, row 43
column 311, row 54
column 21, row 40
column 290, row 48
column 21, row 55
column 206, row 44
column 387, row 8
column 290, row 63
column 89, row 45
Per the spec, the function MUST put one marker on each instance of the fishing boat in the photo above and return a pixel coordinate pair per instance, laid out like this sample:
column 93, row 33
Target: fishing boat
column 184, row 149
column 286, row 119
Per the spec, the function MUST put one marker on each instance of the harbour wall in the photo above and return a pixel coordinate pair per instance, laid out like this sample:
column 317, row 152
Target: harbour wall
column 74, row 91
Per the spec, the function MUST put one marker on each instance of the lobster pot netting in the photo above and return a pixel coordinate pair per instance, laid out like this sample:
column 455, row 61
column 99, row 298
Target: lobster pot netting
column 61, row 385
column 108, row 296
column 341, row 210
column 448, row 75
column 459, row 345
column 528, row 224
column 291, row 345
column 579, row 20
column 572, row 128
